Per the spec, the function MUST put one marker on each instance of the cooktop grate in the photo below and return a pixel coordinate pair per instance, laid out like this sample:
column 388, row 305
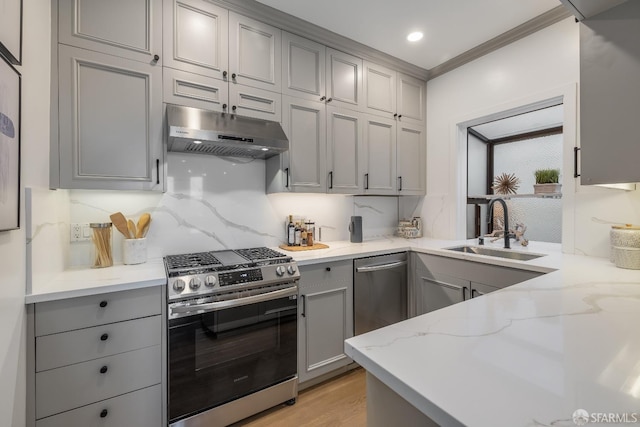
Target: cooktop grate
column 260, row 254
column 200, row 259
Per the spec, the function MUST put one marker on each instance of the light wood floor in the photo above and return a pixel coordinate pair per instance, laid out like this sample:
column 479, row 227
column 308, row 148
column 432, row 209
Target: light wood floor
column 337, row 402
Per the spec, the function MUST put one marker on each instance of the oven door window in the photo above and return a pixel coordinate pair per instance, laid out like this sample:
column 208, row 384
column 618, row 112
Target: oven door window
column 220, row 356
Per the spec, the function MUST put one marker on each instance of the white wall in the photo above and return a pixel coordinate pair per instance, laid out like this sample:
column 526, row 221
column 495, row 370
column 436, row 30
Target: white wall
column 527, row 69
column 13, row 244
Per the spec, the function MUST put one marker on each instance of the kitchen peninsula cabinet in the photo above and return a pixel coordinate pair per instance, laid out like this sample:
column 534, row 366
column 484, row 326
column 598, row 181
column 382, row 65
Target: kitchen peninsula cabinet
column 325, row 319
column 98, row 359
column 441, row 281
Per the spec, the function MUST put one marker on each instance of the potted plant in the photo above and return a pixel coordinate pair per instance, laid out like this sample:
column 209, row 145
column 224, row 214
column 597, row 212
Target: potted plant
column 547, row 181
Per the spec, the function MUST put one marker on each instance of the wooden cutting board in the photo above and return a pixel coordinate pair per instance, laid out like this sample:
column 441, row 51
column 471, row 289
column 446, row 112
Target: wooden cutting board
column 304, row 248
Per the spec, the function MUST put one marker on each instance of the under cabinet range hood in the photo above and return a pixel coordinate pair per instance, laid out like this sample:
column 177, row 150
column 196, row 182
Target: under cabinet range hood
column 192, row 130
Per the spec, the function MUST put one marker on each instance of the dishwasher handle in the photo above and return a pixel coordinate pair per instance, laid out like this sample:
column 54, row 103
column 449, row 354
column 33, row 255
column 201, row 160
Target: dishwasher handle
column 380, row 267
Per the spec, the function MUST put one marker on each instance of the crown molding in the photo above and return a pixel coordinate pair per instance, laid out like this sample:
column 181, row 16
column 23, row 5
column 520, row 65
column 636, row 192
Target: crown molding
column 548, row 18
column 292, row 24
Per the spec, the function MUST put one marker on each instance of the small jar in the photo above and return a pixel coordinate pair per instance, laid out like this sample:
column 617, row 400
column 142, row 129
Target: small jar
column 101, row 254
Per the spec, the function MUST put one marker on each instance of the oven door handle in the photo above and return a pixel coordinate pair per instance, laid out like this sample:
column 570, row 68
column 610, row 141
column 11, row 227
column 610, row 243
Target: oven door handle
column 223, row 305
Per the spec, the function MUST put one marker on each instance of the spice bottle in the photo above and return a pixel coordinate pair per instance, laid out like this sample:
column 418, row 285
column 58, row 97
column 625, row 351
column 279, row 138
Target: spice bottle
column 291, row 232
column 101, row 255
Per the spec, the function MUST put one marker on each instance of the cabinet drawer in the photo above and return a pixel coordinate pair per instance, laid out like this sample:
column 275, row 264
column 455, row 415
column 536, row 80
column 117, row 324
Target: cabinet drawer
column 67, row 348
column 194, row 90
column 62, row 389
column 75, row 313
column 142, row 408
column 314, row 278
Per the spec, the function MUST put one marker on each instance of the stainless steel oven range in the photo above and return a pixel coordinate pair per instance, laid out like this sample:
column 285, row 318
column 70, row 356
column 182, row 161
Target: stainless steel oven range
column 232, row 335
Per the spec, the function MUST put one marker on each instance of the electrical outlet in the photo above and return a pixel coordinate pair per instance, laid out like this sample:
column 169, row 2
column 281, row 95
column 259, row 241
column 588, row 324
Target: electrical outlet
column 80, row 233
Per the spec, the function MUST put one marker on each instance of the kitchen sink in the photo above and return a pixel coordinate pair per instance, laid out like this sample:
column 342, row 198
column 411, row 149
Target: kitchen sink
column 480, row 250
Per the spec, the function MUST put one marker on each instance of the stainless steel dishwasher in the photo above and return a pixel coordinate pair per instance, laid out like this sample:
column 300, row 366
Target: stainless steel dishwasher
column 380, row 291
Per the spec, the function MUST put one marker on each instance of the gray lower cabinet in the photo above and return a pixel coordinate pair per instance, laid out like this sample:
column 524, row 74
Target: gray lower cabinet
column 98, row 360
column 325, row 317
column 109, row 123
column 440, row 281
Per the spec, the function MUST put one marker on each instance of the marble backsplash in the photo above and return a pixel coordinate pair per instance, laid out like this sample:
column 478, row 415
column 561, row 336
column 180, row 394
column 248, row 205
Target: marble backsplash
column 216, row 203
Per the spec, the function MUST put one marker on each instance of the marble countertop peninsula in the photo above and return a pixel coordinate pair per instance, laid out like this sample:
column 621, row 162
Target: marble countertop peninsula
column 527, row 355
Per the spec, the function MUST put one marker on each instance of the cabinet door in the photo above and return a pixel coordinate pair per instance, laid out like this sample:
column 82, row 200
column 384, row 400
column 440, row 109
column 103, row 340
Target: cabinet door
column 436, row 291
column 326, row 317
column 194, row 90
column 303, row 68
column 411, row 96
column 479, row 289
column 412, row 159
column 127, row 28
column 257, row 103
column 196, row 37
column 304, row 163
column 254, row 53
column 380, row 155
column 379, row 90
column 110, row 122
column 344, row 151
column 344, row 79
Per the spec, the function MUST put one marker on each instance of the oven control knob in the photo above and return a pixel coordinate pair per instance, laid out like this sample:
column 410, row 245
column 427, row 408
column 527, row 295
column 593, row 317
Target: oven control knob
column 210, row 281
column 280, row 270
column 291, row 269
column 178, row 285
column 195, row 283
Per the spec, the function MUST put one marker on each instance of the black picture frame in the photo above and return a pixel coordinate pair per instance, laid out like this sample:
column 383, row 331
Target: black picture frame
column 11, row 31
column 10, row 121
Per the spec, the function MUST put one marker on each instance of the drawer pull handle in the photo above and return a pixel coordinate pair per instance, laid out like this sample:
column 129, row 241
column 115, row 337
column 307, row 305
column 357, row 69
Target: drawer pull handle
column 104, row 413
column 103, row 304
column 104, row 337
column 104, row 370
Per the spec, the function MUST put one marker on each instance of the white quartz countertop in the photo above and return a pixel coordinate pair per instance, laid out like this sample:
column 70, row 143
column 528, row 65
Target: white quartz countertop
column 527, row 355
column 82, row 281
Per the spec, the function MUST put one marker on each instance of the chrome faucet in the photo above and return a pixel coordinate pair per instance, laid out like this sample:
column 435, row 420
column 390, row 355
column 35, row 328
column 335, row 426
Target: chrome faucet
column 506, row 219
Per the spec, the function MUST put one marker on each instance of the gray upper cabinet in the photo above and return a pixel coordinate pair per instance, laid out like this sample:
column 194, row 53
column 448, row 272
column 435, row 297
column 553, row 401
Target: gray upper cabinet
column 129, row 29
column 253, row 102
column 344, row 79
column 379, row 90
column 303, row 167
column 610, row 96
column 110, row 122
column 379, row 156
column 411, row 159
column 344, row 151
column 255, row 51
column 196, row 37
column 411, row 98
column 303, row 68
column 194, row 90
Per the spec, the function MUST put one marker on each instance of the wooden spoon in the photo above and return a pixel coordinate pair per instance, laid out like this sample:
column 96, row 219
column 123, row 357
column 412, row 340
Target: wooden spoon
column 121, row 224
column 132, row 229
column 143, row 225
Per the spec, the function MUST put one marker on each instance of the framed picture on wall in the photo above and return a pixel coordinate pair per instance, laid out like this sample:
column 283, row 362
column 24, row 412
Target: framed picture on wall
column 11, row 30
column 10, row 91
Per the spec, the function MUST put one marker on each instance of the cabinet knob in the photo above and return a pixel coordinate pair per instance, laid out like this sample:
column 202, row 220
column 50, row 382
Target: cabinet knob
column 104, row 413
column 224, row 74
column 233, row 76
column 104, row 370
column 399, row 116
column 103, row 304
column 328, row 268
column 234, row 108
column 156, row 58
column 323, row 98
column 395, row 115
column 330, row 99
column 224, row 106
column 104, row 337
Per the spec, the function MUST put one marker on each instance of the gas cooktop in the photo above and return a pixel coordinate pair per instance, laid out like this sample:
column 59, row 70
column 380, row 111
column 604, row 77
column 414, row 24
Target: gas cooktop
column 202, row 273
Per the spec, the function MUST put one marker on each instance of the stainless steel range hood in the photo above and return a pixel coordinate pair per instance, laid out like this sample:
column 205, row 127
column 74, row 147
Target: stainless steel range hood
column 192, row 130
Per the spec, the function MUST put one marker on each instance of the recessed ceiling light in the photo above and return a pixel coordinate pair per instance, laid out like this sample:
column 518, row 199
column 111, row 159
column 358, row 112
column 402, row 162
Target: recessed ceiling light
column 415, row 36
column 197, row 142
column 264, row 149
